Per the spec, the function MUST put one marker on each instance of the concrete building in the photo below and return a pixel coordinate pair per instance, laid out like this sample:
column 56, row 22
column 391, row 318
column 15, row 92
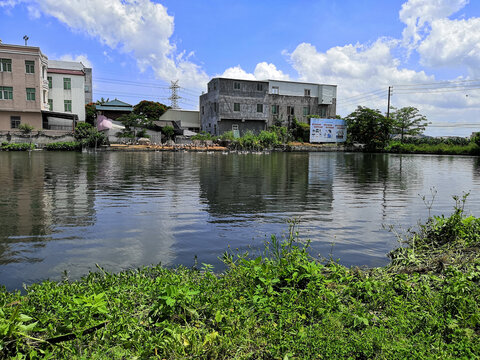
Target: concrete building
column 70, row 87
column 185, row 119
column 234, row 104
column 23, row 86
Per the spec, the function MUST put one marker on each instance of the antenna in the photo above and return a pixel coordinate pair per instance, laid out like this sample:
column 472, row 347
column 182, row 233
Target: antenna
column 174, row 97
column 26, row 39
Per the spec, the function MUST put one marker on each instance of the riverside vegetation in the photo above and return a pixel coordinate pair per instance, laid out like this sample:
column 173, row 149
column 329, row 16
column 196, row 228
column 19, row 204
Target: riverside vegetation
column 284, row 304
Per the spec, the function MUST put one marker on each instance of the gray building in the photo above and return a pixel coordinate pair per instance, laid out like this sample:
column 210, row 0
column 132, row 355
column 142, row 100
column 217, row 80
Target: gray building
column 234, row 104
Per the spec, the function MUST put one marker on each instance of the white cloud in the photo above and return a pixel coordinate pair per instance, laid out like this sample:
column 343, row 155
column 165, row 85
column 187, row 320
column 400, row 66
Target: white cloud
column 263, row 71
column 418, row 14
column 77, row 58
column 138, row 27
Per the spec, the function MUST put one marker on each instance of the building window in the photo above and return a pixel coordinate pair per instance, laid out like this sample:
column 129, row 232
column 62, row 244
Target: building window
column 236, row 85
column 290, row 110
column 307, row 92
column 67, row 83
column 14, row 122
column 49, row 78
column 31, row 94
column 275, row 90
column 215, row 107
column 275, row 109
column 67, row 105
column 6, row 93
column 323, row 111
column 29, row 67
column 50, row 104
column 203, row 110
column 214, row 86
column 236, row 106
column 259, row 87
column 306, row 110
column 87, row 88
column 260, row 108
column 6, row 65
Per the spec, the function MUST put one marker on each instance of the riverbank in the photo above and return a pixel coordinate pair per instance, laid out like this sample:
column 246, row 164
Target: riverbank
column 285, row 304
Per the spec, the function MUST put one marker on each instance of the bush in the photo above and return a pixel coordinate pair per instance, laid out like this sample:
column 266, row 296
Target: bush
column 64, row 146
column 25, row 128
column 16, row 147
column 439, row 148
column 88, row 135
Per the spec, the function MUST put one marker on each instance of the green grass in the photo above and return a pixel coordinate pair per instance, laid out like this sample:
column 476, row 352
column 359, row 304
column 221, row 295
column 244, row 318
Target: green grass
column 282, row 305
column 440, row 148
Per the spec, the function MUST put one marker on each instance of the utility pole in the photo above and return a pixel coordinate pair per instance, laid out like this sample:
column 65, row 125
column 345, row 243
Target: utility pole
column 174, row 97
column 388, row 106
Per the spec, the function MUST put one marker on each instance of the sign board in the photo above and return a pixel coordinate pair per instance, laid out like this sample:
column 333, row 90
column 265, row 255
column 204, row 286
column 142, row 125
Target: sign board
column 327, row 130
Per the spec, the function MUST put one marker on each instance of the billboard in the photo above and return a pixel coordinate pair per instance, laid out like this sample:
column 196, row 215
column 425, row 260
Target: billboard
column 327, row 130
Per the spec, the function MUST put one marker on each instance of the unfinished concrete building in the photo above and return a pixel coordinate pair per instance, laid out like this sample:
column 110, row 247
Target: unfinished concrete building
column 246, row 105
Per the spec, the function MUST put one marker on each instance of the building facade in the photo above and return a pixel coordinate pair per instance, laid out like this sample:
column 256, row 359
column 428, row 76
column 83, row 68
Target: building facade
column 23, row 86
column 246, row 105
column 70, row 87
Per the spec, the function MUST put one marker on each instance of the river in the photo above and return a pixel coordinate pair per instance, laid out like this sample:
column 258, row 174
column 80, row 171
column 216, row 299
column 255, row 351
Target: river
column 63, row 212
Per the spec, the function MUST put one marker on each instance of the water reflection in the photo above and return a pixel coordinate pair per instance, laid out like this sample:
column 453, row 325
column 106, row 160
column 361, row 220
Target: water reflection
column 68, row 211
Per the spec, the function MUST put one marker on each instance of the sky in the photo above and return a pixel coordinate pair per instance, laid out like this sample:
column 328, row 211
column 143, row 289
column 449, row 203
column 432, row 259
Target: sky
column 428, row 51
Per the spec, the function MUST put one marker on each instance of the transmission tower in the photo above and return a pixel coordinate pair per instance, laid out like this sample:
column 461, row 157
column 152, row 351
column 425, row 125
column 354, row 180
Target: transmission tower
column 174, row 97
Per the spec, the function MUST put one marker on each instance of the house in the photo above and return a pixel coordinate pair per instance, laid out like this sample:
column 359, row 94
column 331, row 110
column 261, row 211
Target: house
column 114, row 109
column 243, row 105
column 23, row 86
column 185, row 119
column 70, row 87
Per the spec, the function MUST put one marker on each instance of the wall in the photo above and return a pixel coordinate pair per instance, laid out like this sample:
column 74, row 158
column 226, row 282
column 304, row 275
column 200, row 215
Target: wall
column 40, row 138
column 31, row 118
column 77, row 94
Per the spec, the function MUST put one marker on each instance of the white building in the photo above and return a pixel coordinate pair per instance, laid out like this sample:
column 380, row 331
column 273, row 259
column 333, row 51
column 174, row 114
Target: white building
column 70, row 87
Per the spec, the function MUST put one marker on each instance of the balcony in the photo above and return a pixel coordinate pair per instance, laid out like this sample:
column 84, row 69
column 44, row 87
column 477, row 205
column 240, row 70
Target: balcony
column 45, row 84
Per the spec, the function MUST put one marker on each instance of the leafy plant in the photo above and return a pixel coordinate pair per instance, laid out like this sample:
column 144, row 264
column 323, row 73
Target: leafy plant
column 26, row 128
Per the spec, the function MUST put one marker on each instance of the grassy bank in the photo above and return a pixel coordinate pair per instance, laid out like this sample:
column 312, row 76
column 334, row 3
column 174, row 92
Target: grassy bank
column 440, row 149
column 283, row 305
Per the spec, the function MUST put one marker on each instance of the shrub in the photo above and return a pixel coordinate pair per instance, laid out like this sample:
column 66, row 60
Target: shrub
column 16, row 147
column 64, row 146
column 25, row 128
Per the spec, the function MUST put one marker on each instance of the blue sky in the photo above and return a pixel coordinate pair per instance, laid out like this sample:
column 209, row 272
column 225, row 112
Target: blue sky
column 428, row 50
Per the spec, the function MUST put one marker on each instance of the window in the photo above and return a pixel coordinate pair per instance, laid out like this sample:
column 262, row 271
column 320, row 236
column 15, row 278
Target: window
column 14, row 122
column 50, row 104
column 236, row 85
column 31, row 94
column 307, row 92
column 275, row 109
column 6, row 65
column 290, row 110
column 67, row 105
column 203, row 110
column 323, row 111
column 306, row 110
column 49, row 78
column 259, row 87
column 275, row 90
column 215, row 106
column 29, row 67
column 6, row 93
column 214, row 86
column 236, row 106
column 260, row 108
column 87, row 88
column 67, row 83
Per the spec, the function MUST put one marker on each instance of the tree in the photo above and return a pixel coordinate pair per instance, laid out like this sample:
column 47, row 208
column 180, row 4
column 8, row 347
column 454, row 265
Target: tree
column 132, row 122
column 90, row 113
column 369, row 127
column 151, row 109
column 168, row 131
column 408, row 121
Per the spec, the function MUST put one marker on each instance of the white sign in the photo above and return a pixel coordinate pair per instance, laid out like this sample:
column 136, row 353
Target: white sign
column 327, row 130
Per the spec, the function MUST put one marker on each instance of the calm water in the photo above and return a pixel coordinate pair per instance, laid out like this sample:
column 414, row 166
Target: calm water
column 68, row 211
